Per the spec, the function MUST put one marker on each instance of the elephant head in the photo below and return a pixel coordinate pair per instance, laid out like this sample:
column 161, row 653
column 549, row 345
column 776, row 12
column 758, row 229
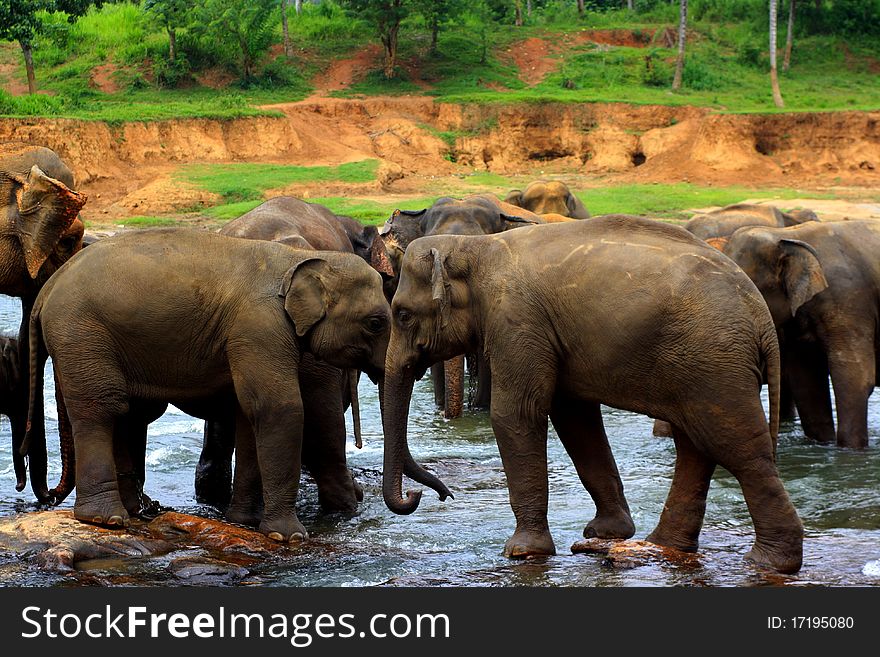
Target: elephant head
column 787, row 271
column 338, row 309
column 432, row 320
column 552, row 197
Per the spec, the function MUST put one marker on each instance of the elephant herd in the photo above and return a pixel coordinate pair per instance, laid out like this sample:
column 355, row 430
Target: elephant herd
column 263, row 329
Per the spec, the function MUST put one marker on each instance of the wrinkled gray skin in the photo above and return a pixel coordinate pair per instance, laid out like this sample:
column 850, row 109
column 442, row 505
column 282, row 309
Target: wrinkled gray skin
column 40, row 232
column 13, row 401
column 715, row 228
column 206, row 322
column 821, row 282
column 326, row 390
column 549, row 197
column 474, row 215
column 675, row 331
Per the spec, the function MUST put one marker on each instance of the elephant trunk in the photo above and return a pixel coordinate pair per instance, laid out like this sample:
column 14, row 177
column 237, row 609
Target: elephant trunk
column 19, row 425
column 453, row 377
column 395, row 394
column 34, row 444
column 68, row 452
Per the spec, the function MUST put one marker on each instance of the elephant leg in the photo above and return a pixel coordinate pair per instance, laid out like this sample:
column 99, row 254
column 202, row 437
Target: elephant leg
column 738, row 439
column 582, row 432
column 852, row 365
column 214, row 471
column 324, row 437
column 521, row 432
column 807, row 372
column 787, row 404
column 97, row 492
column 438, row 379
column 453, row 377
column 483, row 395
column 129, row 442
column 246, row 505
column 682, row 515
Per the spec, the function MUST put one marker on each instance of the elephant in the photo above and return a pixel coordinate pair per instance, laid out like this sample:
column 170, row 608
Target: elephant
column 327, row 390
column 212, row 324
column 480, row 214
column 676, row 331
column 821, row 282
column 41, row 232
column 716, row 226
column 14, row 402
column 549, row 197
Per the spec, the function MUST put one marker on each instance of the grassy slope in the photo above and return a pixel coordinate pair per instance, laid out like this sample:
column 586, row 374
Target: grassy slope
column 726, row 68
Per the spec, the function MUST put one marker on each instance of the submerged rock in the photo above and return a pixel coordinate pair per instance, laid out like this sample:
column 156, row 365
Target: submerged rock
column 56, row 541
column 624, row 554
column 205, row 571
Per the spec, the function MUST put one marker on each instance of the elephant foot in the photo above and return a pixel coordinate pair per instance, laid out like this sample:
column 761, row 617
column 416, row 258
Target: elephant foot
column 782, row 561
column 284, row 530
column 529, row 544
column 103, row 509
column 672, row 540
column 246, row 517
column 620, row 525
column 358, row 489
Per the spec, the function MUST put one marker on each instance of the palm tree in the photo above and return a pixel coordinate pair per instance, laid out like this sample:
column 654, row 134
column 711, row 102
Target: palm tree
column 786, row 63
column 774, row 75
column 682, row 37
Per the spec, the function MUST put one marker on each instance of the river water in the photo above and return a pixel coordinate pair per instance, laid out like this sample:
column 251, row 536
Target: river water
column 459, row 542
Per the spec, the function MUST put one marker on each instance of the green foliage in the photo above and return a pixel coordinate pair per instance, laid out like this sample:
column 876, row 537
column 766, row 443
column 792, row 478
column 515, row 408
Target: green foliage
column 247, row 182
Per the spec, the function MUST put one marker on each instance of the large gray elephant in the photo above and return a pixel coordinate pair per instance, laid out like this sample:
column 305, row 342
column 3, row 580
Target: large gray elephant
column 327, row 390
column 480, row 214
column 208, row 323
column 41, row 231
column 675, row 331
column 548, row 197
column 821, row 282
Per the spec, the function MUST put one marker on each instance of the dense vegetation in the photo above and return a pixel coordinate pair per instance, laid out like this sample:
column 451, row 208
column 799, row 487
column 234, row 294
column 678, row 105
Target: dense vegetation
column 168, row 58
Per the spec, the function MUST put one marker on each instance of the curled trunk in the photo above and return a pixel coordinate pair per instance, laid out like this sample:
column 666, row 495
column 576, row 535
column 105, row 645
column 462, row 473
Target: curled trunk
column 395, row 393
column 355, row 407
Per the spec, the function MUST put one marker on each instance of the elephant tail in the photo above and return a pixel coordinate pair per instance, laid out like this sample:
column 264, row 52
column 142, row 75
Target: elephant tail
column 770, row 352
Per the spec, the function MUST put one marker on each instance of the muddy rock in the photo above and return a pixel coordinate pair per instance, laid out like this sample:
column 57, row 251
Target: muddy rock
column 625, row 554
column 57, row 542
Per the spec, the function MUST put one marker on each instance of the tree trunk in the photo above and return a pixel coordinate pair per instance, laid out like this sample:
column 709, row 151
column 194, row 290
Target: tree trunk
column 786, row 63
column 389, row 40
column 682, row 39
column 172, row 44
column 288, row 50
column 518, row 19
column 580, row 7
column 528, row 7
column 298, row 5
column 774, row 75
column 29, row 66
column 629, row 4
column 435, row 33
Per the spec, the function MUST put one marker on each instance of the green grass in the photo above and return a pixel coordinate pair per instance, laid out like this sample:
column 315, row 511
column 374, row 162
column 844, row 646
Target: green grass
column 672, row 200
column 370, row 212
column 146, row 222
column 247, row 181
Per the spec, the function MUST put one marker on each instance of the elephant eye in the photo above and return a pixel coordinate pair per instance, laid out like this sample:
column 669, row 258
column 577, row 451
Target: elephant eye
column 403, row 315
column 376, row 324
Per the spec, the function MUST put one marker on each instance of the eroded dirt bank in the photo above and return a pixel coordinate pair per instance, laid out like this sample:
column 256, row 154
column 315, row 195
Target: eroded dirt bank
column 414, row 137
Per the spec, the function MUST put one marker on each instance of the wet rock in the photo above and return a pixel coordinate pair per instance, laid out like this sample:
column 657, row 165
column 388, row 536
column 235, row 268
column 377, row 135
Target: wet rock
column 207, row 572
column 625, row 554
column 56, row 541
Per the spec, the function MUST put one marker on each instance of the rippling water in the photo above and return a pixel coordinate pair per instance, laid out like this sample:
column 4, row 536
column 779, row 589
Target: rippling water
column 459, row 542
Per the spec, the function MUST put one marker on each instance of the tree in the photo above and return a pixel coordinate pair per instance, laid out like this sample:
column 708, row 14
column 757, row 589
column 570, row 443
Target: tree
column 580, row 7
column 385, row 16
column 774, row 75
column 518, row 17
column 288, row 49
column 786, row 62
column 19, row 22
column 246, row 27
column 172, row 14
column 438, row 13
column 682, row 38
column 629, row 5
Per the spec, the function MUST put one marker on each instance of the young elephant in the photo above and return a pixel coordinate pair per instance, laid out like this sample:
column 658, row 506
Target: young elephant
column 675, row 330
column 821, row 282
column 205, row 322
column 553, row 197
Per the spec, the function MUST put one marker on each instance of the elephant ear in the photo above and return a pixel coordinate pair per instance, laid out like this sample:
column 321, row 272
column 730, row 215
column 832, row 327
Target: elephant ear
column 509, row 221
column 305, row 293
column 515, row 197
column 46, row 210
column 802, row 273
column 379, row 259
column 440, row 287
